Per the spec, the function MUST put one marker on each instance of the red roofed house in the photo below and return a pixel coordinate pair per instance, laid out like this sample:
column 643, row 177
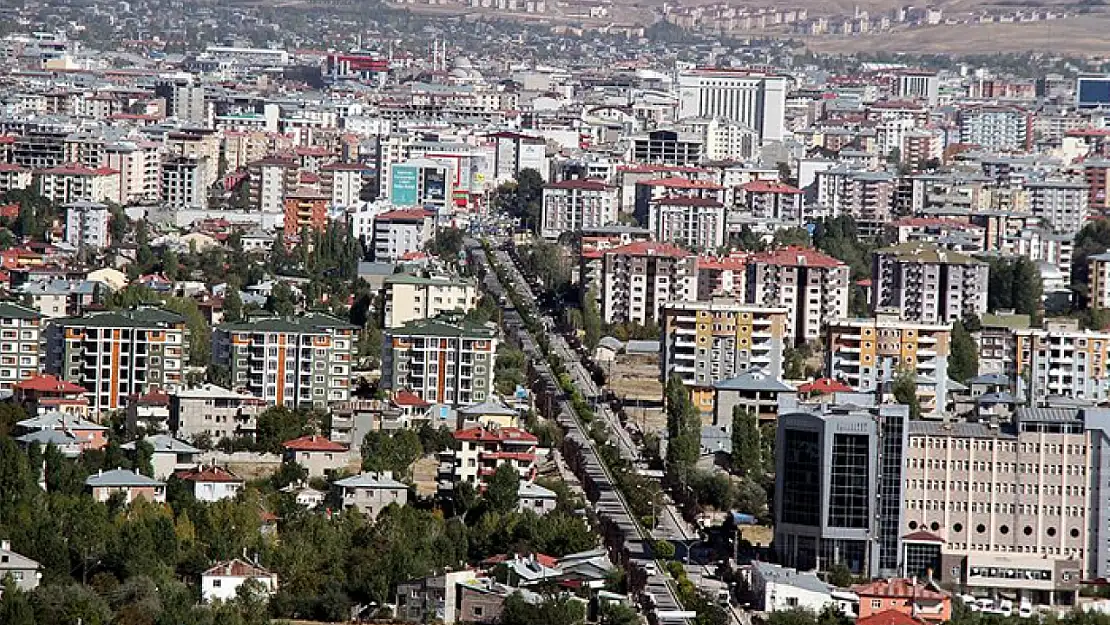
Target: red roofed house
column 638, row 278
column 399, row 232
column 909, row 596
column 40, row 394
column 211, row 483
column 573, row 205
column 69, row 183
column 889, row 617
column 222, row 582
column 410, row 404
column 482, row 449
column 814, row 287
column 773, row 203
column 824, row 386
column 317, row 454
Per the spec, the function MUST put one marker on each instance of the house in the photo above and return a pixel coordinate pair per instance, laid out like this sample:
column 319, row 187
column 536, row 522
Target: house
column 132, row 485
column 371, row 492
column 211, row 483
column 170, row 454
column 913, row 597
column 752, row 390
column 222, row 581
column 481, row 600
column 69, row 445
column 532, row 496
column 775, row 588
column 24, row 571
column 589, row 568
column 889, row 617
column 479, row 451
column 432, row 598
column 149, row 412
column 490, row 413
column 91, row 435
column 305, row 495
column 44, row 393
column 317, row 454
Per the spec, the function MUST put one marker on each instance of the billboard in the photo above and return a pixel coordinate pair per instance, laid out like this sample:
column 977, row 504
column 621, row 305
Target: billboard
column 403, row 186
column 1092, row 91
column 435, row 185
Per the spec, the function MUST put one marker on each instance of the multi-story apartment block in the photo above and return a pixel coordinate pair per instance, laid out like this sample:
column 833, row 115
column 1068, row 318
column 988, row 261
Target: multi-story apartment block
column 87, row 225
column 692, row 222
column 869, row 354
column 13, row 177
column 638, row 278
column 481, row 450
column 1064, row 205
column 343, row 182
column 270, row 180
column 573, row 205
column 707, row 342
column 213, row 411
column 139, row 164
column 812, row 286
column 183, row 182
column 411, row 298
column 1096, row 172
column 996, row 128
column 305, row 208
column 929, row 284
column 399, row 232
column 70, row 183
column 20, row 344
column 117, row 354
column 301, row 361
column 1098, row 280
column 919, row 85
column 1060, row 360
column 444, row 360
column 723, row 140
column 668, row 147
column 838, row 486
column 774, row 203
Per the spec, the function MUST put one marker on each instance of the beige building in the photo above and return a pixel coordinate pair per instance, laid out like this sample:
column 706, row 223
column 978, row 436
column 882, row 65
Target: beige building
column 213, row 411
column 317, row 454
column 638, row 278
column 1060, row 360
column 871, row 352
column 929, row 284
column 20, row 344
column 573, row 205
column 411, row 298
column 812, row 286
column 1098, row 280
column 69, row 183
column 707, row 342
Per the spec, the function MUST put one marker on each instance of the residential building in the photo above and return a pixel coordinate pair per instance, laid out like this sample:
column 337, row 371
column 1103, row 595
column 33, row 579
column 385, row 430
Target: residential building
column 638, row 278
column 1060, row 360
column 14, row 177
column 88, row 435
column 513, row 152
column 149, row 412
column 183, row 182
column 69, row 183
column 305, row 208
column 707, row 342
column 668, row 147
column 318, row 455
column 270, row 180
column 170, row 455
column 922, row 600
column 131, row 485
column 61, row 298
column 214, row 412
column 578, row 204
column 222, row 581
column 1064, row 205
column 996, row 128
column 434, row 598
column 754, row 391
column 751, row 98
column 869, row 354
column 838, row 486
column 813, row 287
column 411, row 297
column 692, row 222
column 20, row 344
column 343, row 182
column 479, row 451
column 400, row 232
column 298, row 361
column 24, row 572
column 778, row 588
column 722, row 139
column 87, row 225
column 116, row 354
column 184, row 99
column 372, row 492
column 928, row 284
column 445, row 360
column 210, row 484
column 774, row 203
column 535, row 498
column 1098, row 280
column 41, row 394
column 918, row 85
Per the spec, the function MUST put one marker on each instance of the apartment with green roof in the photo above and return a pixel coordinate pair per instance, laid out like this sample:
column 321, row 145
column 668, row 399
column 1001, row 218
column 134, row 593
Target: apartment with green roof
column 20, row 343
column 443, row 360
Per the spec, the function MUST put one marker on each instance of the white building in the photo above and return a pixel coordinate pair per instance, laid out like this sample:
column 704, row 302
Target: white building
column 513, row 152
column 573, row 205
column 222, row 582
column 410, row 298
column 751, row 98
column 87, row 225
column 70, row 183
column 183, row 182
column 781, row 588
column 1063, row 204
column 536, row 498
column 690, row 221
column 399, row 232
column 343, row 182
column 918, row 85
column 210, row 484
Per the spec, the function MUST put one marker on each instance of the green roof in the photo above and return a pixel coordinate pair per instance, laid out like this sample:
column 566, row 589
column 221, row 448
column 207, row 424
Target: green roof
column 927, row 253
column 408, row 278
column 436, row 327
column 304, row 324
column 11, row 310
column 137, row 318
column 1013, row 322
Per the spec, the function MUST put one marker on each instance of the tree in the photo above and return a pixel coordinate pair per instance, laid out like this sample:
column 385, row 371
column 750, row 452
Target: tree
column 502, row 490
column 396, row 452
column 447, row 245
column 144, row 457
column 746, row 446
column 751, row 497
column 281, row 301
column 904, row 389
column 663, row 549
column 1093, row 238
column 591, row 319
column 1015, row 284
column 15, row 605
column 200, row 333
column 171, row 265
column 963, row 355
column 683, row 427
column 276, row 425
column 553, row 610
column 840, row 576
column 619, row 614
column 233, row 304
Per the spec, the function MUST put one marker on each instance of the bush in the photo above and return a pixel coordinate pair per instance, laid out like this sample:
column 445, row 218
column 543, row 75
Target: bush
column 664, row 549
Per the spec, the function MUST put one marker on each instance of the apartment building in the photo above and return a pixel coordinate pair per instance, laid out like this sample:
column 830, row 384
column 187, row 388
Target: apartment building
column 1060, row 360
column 722, row 139
column 479, row 451
column 638, row 278
column 69, row 183
column 1096, row 173
column 691, row 222
column 868, row 354
column 371, row 493
column 213, row 411
column 444, row 360
column 929, row 284
column 1098, row 280
column 411, row 298
column 20, row 344
column 297, row 361
column 270, row 180
column 812, row 286
column 183, row 182
column 867, row 196
column 1064, row 205
column 996, row 128
column 1016, row 507
column 343, row 182
column 87, row 225
column 774, row 203
column 707, row 342
column 116, row 354
column 305, row 208
column 399, row 232
column 579, row 204
column 139, row 164
column 13, row 177
column 839, row 477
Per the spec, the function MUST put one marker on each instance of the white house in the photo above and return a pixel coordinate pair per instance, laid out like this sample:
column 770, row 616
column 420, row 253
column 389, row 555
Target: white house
column 132, row 485
column 780, row 588
column 222, row 582
column 532, row 496
column 211, row 483
column 170, row 454
column 371, row 492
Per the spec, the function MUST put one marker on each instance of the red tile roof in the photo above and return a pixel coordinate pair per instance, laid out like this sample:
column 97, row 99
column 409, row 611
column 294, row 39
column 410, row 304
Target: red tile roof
column 764, row 186
column 680, row 183
column 79, row 170
column 888, row 617
column 796, row 257
column 207, row 474
column 47, row 383
column 825, row 385
column 583, row 184
column 649, row 248
column 313, row 443
column 408, row 214
column 923, row 536
column 897, row 587
column 154, row 397
column 408, row 398
column 734, row 262
column 495, row 435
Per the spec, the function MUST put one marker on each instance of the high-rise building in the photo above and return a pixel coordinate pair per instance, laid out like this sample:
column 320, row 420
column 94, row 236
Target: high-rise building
column 752, row 98
column 1060, row 360
column 184, row 100
column 813, row 287
column 694, row 222
column 117, row 354
column 20, row 344
column 1063, row 204
column 399, row 232
column 87, row 225
column 573, row 205
column 838, row 486
column 344, row 182
column 301, row 361
column 183, row 182
column 443, row 360
column 918, row 85
column 929, row 284
column 411, row 298
column 869, row 354
column 638, row 278
column 706, row 342
column 996, row 128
